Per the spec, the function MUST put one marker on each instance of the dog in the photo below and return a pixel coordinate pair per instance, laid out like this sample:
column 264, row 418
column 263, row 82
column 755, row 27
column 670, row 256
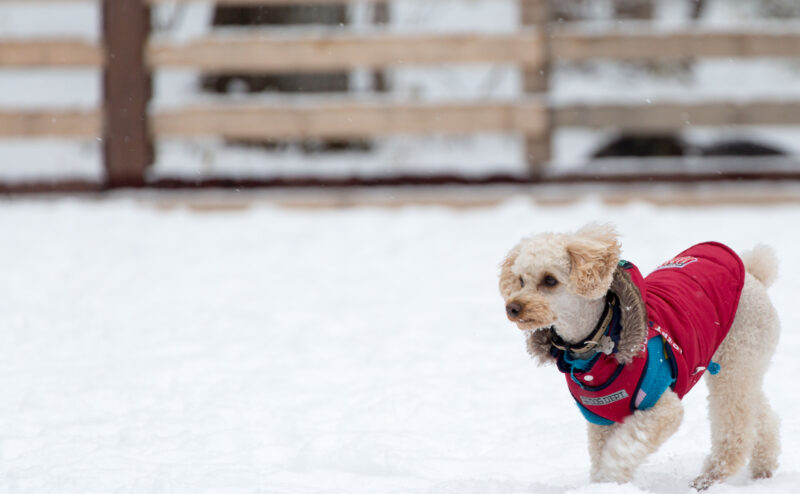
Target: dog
column 631, row 347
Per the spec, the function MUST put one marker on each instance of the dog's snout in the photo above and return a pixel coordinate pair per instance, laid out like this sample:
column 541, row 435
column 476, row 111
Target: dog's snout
column 513, row 310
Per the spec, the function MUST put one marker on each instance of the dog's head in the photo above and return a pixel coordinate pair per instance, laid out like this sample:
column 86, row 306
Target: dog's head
column 551, row 278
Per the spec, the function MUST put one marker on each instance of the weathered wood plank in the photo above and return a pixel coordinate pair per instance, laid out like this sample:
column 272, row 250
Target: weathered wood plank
column 373, row 119
column 346, row 120
column 46, row 123
column 570, row 45
column 50, row 53
column 268, row 53
column 676, row 116
column 260, row 54
column 370, row 119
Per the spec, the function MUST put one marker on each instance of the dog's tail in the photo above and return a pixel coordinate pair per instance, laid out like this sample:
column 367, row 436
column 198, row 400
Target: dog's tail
column 762, row 263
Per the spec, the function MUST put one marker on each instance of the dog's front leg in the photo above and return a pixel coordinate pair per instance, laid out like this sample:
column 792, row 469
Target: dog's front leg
column 598, row 435
column 628, row 444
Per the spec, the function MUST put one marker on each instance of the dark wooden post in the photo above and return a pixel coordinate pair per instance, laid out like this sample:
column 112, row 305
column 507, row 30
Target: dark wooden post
column 538, row 148
column 128, row 147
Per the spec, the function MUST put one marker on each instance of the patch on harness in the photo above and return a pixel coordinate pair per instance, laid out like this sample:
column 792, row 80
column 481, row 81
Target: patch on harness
column 678, row 262
column 604, row 400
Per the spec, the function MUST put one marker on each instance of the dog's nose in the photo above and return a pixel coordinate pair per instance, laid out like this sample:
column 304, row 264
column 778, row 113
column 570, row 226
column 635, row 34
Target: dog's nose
column 513, row 309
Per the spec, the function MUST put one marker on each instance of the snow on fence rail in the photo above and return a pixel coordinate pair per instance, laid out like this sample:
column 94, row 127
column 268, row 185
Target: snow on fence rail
column 127, row 127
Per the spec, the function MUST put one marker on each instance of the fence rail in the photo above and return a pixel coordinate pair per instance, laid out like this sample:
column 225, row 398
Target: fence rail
column 342, row 120
column 67, row 124
column 127, row 125
column 373, row 119
column 676, row 116
column 259, row 53
column 345, row 51
column 625, row 45
column 57, row 53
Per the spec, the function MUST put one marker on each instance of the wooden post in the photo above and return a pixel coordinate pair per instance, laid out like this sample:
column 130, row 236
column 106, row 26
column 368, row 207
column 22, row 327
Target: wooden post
column 380, row 17
column 128, row 148
column 538, row 148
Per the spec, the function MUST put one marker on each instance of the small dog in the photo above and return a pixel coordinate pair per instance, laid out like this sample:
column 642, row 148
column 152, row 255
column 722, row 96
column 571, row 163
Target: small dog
column 631, row 347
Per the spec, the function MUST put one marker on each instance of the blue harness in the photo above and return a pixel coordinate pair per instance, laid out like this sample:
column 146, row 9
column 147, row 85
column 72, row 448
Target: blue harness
column 656, row 378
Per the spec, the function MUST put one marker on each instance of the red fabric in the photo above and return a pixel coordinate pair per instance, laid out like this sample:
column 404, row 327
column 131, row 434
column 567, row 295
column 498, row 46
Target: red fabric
column 691, row 301
column 608, row 389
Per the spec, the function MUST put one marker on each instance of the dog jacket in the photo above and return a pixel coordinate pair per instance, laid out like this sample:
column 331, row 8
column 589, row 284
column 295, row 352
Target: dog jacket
column 691, row 301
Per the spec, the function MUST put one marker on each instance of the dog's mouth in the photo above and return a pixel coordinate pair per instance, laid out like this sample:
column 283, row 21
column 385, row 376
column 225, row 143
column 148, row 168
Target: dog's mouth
column 531, row 326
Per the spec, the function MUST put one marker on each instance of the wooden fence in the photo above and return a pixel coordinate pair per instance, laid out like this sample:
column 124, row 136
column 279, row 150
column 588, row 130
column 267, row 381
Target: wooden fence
column 128, row 57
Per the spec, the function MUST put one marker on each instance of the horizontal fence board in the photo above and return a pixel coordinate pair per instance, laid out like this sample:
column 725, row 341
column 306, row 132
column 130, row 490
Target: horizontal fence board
column 332, row 120
column 72, row 124
column 570, row 45
column 267, row 53
column 348, row 120
column 50, row 53
column 364, row 120
column 676, row 116
column 342, row 51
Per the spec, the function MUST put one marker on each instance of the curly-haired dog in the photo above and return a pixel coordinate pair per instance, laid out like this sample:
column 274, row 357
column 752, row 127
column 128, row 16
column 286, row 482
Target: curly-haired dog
column 631, row 347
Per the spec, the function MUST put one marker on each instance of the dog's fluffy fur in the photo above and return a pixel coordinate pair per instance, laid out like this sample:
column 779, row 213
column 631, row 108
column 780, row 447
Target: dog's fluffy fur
column 584, row 266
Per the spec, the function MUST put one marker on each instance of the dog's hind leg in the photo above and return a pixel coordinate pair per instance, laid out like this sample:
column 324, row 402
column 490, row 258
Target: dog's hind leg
column 733, row 427
column 742, row 424
column 641, row 434
column 764, row 459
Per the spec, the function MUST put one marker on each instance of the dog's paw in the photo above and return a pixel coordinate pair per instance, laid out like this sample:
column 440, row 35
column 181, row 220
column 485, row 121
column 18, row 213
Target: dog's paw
column 704, row 481
column 759, row 474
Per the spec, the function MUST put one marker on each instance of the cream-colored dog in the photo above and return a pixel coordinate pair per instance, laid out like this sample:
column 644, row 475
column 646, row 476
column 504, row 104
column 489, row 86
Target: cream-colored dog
column 555, row 287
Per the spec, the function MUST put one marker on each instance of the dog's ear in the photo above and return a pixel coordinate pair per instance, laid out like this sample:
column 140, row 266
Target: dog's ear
column 507, row 279
column 594, row 253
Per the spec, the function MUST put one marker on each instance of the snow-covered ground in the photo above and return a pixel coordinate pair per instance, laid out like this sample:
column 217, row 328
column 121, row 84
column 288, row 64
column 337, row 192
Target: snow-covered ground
column 291, row 351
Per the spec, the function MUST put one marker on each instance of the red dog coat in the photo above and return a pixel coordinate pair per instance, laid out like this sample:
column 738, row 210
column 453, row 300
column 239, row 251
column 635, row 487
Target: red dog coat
column 691, row 301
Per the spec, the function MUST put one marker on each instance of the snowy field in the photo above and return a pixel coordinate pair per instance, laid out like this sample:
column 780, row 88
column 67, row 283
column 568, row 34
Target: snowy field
column 288, row 351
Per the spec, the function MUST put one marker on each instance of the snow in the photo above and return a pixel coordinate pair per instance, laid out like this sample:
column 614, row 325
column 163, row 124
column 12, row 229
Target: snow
column 268, row 350
column 24, row 19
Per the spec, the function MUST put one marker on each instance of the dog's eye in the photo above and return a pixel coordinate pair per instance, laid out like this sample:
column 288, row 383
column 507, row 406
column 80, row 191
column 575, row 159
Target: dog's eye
column 521, row 282
column 549, row 281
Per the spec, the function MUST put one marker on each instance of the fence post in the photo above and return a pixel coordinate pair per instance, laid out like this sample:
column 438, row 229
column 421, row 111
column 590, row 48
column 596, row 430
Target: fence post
column 537, row 80
column 127, row 144
column 380, row 17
